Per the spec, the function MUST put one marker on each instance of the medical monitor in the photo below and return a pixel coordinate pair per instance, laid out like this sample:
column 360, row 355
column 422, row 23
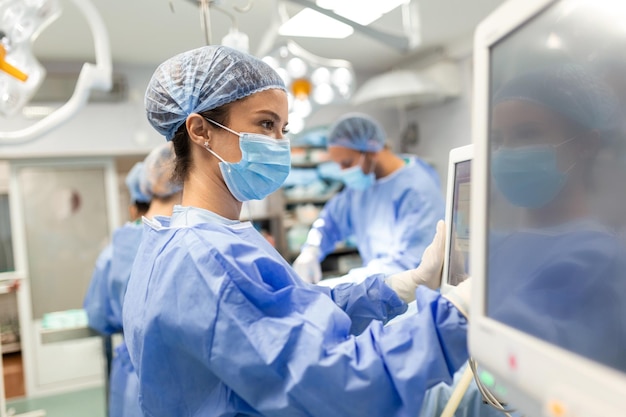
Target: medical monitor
column 548, row 212
column 456, row 259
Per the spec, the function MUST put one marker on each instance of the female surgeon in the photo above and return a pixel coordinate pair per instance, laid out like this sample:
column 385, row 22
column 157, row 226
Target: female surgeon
column 391, row 204
column 103, row 302
column 217, row 322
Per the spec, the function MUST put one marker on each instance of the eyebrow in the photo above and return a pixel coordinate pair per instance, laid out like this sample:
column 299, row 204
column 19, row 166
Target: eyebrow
column 273, row 115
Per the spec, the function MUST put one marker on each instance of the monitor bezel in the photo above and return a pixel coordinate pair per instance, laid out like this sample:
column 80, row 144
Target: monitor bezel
column 457, row 155
column 532, row 375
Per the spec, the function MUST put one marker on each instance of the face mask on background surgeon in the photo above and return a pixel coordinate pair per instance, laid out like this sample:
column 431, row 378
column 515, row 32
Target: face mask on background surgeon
column 528, row 176
column 355, row 178
column 264, row 165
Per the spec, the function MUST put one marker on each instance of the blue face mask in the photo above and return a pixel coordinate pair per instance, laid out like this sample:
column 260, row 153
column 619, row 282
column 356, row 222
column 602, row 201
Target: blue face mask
column 528, row 177
column 355, row 179
column 264, row 166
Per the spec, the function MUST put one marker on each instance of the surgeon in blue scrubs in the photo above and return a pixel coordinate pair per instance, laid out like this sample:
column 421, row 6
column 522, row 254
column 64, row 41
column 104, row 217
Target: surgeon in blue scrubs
column 390, row 205
column 217, row 322
column 150, row 180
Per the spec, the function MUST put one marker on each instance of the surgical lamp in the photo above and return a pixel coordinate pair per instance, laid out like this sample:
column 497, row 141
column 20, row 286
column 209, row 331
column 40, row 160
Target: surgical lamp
column 312, row 81
column 21, row 21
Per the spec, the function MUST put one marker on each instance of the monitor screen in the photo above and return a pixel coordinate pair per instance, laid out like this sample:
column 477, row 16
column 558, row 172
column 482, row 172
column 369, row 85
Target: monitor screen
column 458, row 269
column 556, row 206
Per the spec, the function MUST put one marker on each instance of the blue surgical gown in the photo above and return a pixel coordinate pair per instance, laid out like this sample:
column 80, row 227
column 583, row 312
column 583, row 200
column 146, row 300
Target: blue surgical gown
column 437, row 397
column 218, row 324
column 471, row 405
column 103, row 304
column 393, row 221
column 564, row 285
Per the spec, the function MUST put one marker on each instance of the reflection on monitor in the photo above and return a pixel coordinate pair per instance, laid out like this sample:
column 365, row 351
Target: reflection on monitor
column 549, row 205
column 456, row 261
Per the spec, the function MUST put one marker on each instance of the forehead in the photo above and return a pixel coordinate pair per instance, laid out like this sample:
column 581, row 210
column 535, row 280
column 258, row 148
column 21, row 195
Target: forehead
column 512, row 113
column 339, row 153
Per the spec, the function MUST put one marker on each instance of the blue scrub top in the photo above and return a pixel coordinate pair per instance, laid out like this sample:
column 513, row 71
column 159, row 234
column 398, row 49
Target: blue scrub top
column 103, row 304
column 393, row 221
column 218, row 324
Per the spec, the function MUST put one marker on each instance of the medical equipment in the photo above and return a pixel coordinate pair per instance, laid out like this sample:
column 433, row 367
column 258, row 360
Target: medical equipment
column 548, row 321
column 19, row 18
column 456, row 260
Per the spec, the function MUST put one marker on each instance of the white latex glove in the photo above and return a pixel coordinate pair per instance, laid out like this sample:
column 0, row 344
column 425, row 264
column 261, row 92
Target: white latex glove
column 308, row 266
column 460, row 296
column 428, row 273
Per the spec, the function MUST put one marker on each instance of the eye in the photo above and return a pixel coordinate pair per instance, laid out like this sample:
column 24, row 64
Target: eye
column 285, row 130
column 268, row 124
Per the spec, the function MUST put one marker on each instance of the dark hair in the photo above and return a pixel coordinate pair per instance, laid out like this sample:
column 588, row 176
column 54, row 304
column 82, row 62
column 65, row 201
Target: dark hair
column 181, row 141
column 142, row 208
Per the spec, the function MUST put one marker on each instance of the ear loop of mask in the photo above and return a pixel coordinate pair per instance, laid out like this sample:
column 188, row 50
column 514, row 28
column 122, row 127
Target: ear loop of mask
column 223, row 127
column 371, row 168
column 206, row 144
column 563, row 143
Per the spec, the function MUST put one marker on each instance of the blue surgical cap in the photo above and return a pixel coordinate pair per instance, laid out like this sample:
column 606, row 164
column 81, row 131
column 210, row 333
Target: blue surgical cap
column 159, row 172
column 203, row 79
column 357, row 131
column 133, row 180
column 568, row 90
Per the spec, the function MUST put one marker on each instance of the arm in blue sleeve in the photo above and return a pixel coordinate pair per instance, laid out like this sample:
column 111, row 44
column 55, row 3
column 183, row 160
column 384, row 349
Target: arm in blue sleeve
column 297, row 342
column 332, row 226
column 417, row 216
column 368, row 300
column 96, row 303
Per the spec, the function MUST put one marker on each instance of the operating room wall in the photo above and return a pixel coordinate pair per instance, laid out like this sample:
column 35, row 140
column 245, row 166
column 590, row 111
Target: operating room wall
column 445, row 126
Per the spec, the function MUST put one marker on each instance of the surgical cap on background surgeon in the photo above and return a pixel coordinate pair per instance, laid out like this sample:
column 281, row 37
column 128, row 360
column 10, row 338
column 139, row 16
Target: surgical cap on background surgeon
column 133, row 180
column 357, row 131
column 203, row 79
column 569, row 90
column 159, row 166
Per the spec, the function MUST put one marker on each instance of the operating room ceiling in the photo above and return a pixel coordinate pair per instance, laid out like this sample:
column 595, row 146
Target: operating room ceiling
column 148, row 32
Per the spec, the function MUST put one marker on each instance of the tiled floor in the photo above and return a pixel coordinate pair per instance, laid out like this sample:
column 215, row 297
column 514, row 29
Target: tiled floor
column 85, row 403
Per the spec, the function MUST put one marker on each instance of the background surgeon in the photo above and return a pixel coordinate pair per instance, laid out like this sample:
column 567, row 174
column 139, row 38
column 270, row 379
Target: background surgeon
column 217, row 322
column 105, row 295
column 390, row 204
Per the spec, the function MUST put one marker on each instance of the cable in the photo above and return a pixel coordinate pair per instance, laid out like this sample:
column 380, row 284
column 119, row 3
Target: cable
column 487, row 395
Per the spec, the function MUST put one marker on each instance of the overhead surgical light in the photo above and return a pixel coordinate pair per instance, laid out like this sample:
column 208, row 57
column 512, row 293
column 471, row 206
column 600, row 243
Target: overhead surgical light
column 21, row 21
column 311, row 81
column 20, row 72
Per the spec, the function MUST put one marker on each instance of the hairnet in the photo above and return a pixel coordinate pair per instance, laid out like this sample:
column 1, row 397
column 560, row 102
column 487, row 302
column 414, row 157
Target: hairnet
column 357, row 131
column 569, row 90
column 159, row 171
column 133, row 180
column 203, row 79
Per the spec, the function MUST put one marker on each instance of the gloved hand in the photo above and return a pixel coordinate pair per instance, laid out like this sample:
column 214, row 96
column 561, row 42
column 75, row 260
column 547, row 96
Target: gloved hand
column 307, row 265
column 428, row 273
column 460, row 296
